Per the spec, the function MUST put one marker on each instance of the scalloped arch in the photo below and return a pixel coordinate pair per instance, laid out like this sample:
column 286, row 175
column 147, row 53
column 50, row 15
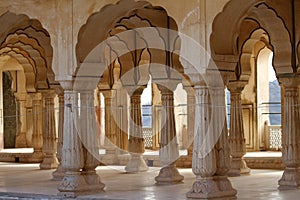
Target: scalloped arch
column 266, row 17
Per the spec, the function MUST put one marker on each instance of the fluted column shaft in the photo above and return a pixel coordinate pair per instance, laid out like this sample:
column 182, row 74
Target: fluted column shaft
column 136, row 140
column 211, row 156
column 111, row 154
column 72, row 152
column 21, row 139
column 87, row 120
column 59, row 173
column 110, row 124
column 49, row 138
column 236, row 136
column 291, row 135
column 190, row 121
column 37, row 135
column 169, row 151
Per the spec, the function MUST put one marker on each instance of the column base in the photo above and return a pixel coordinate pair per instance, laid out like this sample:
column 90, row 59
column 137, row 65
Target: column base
column 136, row 164
column 49, row 162
column 169, row 175
column 110, row 157
column 76, row 183
column 59, row 173
column 36, row 157
column 238, row 167
column 290, row 179
column 212, row 188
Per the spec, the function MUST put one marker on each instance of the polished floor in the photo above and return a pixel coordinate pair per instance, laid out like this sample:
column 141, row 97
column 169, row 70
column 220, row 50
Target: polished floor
column 26, row 181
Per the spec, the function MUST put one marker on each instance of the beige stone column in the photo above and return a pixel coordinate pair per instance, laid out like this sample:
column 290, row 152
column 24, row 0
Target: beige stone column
column 37, row 134
column 291, row 134
column 190, row 118
column 21, row 141
column 49, row 137
column 169, row 150
column 111, row 154
column 86, row 123
column 59, row 173
column 211, row 152
column 136, row 141
column 236, row 132
column 72, row 161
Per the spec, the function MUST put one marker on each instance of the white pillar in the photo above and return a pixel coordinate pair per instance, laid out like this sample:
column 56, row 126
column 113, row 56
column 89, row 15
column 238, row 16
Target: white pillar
column 291, row 134
column 136, row 141
column 236, row 132
column 59, row 173
column 49, row 137
column 169, row 150
column 88, row 136
column 211, row 152
column 73, row 182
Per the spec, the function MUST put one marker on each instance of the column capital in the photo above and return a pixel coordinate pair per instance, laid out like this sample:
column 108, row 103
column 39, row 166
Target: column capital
column 164, row 90
column 66, row 84
column 289, row 82
column 48, row 93
column 108, row 93
column 236, row 86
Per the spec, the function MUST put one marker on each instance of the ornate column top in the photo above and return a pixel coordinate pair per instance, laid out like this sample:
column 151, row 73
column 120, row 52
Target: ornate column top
column 236, row 86
column 290, row 81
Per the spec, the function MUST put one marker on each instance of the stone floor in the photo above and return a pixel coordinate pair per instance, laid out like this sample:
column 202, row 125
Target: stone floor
column 26, row 181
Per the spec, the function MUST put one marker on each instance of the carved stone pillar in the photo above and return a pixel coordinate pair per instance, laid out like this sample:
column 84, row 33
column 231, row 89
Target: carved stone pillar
column 191, row 119
column 136, row 141
column 21, row 141
column 59, row 173
column 72, row 153
column 291, row 134
column 236, row 133
column 49, row 137
column 111, row 154
column 211, row 152
column 88, row 135
column 169, row 150
column 37, row 134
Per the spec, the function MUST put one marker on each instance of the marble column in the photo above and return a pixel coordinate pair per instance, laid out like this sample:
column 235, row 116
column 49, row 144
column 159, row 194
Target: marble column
column 49, row 137
column 291, row 134
column 169, row 150
column 37, row 134
column 72, row 161
column 236, row 133
column 111, row 153
column 211, row 151
column 136, row 141
column 59, row 173
column 88, row 136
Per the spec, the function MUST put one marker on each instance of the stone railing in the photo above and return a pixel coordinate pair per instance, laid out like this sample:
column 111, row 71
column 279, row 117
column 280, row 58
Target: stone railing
column 147, row 135
column 273, row 137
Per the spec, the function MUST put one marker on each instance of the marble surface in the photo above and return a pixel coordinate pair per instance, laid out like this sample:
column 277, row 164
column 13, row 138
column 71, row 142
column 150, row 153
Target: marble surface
column 35, row 183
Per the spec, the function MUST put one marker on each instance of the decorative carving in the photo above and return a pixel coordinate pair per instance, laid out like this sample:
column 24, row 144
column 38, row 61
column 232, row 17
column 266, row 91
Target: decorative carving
column 168, row 152
column 136, row 141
